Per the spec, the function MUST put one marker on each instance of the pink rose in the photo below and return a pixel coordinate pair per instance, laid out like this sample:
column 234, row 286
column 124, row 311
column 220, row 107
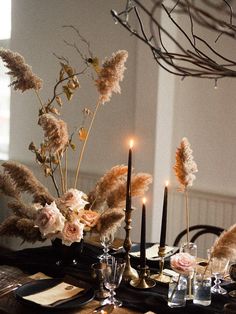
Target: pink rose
column 89, row 218
column 183, row 263
column 72, row 232
column 49, row 219
column 74, row 199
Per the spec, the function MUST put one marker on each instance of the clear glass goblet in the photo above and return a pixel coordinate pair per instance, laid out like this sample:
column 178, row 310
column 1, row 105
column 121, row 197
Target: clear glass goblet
column 106, row 242
column 218, row 268
column 112, row 273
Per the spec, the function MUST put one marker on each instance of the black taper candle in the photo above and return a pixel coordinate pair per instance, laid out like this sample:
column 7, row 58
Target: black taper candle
column 128, row 187
column 164, row 219
column 143, row 237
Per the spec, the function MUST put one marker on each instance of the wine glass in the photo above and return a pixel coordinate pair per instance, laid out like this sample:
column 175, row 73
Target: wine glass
column 106, row 242
column 112, row 273
column 218, row 268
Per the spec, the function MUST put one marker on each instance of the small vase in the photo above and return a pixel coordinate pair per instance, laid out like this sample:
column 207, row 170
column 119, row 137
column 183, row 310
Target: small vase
column 67, row 255
column 202, row 289
column 177, row 292
column 190, row 248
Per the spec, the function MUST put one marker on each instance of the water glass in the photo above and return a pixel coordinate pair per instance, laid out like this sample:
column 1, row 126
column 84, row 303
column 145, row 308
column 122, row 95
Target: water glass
column 177, row 292
column 202, row 289
column 112, row 272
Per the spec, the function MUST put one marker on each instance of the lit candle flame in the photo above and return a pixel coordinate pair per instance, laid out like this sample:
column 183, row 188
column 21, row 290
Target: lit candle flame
column 144, row 200
column 167, row 183
column 131, row 143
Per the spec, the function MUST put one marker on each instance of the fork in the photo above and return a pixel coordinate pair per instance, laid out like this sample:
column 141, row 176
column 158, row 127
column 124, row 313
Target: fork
column 9, row 288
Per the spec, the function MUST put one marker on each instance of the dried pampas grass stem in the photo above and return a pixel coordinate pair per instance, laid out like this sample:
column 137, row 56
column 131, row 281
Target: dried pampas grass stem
column 225, row 245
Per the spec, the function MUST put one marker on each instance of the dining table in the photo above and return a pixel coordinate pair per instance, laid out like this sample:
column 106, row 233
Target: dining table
column 20, row 266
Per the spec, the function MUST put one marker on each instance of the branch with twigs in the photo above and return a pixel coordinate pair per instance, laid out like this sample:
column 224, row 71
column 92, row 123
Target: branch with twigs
column 193, row 57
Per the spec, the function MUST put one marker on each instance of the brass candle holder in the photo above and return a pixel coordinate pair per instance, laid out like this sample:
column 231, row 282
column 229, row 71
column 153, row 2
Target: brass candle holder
column 160, row 276
column 129, row 272
column 144, row 281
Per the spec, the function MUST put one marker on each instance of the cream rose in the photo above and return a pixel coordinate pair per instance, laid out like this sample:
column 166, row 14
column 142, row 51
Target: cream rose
column 50, row 220
column 72, row 232
column 89, row 218
column 183, row 263
column 74, row 199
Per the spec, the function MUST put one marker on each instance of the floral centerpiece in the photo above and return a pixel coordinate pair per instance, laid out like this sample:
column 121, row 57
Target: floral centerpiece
column 70, row 213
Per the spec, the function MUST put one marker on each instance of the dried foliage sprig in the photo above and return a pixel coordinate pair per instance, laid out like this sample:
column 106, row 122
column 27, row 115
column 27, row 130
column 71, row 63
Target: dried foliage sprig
column 111, row 73
column 110, row 220
column 225, row 245
column 184, row 168
column 24, row 77
column 106, row 184
column 20, row 227
column 8, row 187
column 25, row 181
column 139, row 185
column 55, row 133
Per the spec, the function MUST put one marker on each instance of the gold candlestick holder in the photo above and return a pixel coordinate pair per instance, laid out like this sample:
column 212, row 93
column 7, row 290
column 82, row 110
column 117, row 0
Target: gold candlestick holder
column 160, row 276
column 129, row 272
column 144, row 281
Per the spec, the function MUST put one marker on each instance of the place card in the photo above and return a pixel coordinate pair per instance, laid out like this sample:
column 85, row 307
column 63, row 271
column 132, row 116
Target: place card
column 62, row 291
column 152, row 252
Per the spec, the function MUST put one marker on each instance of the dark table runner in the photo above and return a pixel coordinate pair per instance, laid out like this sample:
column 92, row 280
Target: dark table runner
column 44, row 260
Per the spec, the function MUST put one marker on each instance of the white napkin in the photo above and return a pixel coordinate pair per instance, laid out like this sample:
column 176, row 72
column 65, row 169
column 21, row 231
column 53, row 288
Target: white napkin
column 152, row 252
column 62, row 291
column 39, row 275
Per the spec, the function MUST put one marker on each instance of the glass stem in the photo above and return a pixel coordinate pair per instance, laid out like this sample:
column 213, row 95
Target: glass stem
column 217, row 282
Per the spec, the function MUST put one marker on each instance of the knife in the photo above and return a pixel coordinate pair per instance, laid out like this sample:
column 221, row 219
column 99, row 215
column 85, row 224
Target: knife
column 105, row 309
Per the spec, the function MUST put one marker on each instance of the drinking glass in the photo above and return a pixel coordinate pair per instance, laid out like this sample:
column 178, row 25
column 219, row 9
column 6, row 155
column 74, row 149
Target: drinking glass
column 112, row 273
column 106, row 242
column 218, row 268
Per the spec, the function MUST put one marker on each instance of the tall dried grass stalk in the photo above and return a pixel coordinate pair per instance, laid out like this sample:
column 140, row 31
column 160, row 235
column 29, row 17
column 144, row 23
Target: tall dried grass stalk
column 8, row 187
column 106, row 184
column 111, row 73
column 225, row 245
column 184, row 168
column 56, row 133
column 25, row 181
column 24, row 228
column 139, row 185
column 25, row 78
column 22, row 210
column 110, row 220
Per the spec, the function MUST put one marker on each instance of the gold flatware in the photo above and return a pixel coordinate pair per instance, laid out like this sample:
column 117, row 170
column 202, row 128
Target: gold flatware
column 9, row 289
column 107, row 308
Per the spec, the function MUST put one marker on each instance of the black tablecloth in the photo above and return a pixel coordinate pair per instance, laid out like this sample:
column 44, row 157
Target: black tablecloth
column 155, row 299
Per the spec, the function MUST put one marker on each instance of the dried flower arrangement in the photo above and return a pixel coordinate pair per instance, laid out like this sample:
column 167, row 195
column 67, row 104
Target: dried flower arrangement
column 184, row 168
column 71, row 213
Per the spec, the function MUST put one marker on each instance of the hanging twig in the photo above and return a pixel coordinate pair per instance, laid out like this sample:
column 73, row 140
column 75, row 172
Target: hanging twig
column 194, row 56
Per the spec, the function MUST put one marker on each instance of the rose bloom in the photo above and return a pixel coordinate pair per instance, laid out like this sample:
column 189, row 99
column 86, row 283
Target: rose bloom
column 183, row 263
column 89, row 218
column 49, row 219
column 74, row 199
column 72, row 232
